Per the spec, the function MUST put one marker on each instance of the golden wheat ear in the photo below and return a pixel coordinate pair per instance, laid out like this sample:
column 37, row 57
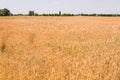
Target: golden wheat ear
column 2, row 47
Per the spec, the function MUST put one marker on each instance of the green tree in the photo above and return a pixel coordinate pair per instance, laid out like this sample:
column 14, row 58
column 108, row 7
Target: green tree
column 36, row 14
column 4, row 12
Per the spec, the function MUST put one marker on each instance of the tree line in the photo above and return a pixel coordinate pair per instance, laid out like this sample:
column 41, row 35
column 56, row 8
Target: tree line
column 6, row 12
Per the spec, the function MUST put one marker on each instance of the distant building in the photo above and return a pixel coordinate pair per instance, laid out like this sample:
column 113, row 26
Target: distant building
column 31, row 13
column 59, row 13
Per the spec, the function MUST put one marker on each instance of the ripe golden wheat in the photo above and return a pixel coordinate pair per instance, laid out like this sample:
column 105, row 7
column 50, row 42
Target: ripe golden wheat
column 59, row 48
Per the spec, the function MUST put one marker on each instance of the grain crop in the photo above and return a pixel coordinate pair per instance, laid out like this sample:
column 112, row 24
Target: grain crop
column 59, row 48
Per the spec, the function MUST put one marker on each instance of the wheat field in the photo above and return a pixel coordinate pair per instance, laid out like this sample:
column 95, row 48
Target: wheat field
column 59, row 48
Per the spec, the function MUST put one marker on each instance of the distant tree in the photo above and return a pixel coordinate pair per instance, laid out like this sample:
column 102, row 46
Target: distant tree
column 36, row 14
column 67, row 14
column 4, row 12
column 92, row 14
column 44, row 14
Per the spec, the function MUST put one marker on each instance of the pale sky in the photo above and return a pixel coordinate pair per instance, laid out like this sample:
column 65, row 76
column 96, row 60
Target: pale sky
column 66, row 6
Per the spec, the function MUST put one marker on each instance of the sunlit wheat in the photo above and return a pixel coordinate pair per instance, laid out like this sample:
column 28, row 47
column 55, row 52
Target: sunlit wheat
column 59, row 48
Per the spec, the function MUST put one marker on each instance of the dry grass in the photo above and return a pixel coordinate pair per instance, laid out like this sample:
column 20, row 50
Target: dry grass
column 59, row 48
